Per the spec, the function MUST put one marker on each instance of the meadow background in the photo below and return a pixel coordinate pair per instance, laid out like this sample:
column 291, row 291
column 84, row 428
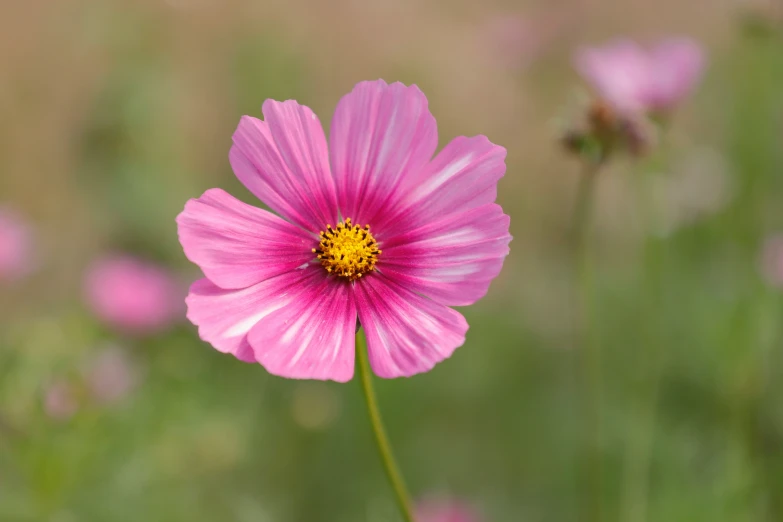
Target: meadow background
column 114, row 112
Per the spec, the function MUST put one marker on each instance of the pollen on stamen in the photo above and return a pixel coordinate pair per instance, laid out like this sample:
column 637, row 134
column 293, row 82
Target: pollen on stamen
column 348, row 250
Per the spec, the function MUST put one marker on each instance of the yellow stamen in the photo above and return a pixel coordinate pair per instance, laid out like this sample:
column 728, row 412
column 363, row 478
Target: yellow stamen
column 348, row 250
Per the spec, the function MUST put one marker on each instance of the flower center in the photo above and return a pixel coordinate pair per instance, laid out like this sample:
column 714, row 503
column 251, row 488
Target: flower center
column 347, row 251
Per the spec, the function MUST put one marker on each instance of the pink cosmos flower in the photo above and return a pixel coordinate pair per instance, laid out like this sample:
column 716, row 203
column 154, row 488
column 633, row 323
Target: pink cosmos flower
column 634, row 79
column 15, row 245
column 60, row 401
column 111, row 376
column 510, row 40
column 514, row 41
column 445, row 510
column 772, row 260
column 371, row 226
column 133, row 295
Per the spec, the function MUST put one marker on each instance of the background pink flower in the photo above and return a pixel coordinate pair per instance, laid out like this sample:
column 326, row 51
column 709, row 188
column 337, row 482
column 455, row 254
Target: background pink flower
column 15, row 245
column 133, row 295
column 772, row 260
column 633, row 78
column 443, row 509
column 60, row 401
column 511, row 40
column 514, row 41
column 419, row 235
column 111, row 376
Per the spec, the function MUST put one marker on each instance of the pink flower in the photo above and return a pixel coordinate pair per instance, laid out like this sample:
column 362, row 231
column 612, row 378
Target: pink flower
column 634, row 79
column 111, row 376
column 60, row 400
column 514, row 41
column 510, row 40
column 772, row 260
column 445, row 510
column 370, row 225
column 15, row 245
column 133, row 295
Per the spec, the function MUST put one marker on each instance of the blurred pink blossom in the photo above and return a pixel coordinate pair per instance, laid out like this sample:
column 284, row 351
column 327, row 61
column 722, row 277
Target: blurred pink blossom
column 60, row 400
column 111, row 376
column 133, row 295
column 15, row 245
column 511, row 40
column 635, row 79
column 514, row 41
column 772, row 260
column 444, row 509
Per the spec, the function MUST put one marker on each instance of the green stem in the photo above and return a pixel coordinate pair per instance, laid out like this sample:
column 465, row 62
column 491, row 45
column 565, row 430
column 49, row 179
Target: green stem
column 582, row 213
column 652, row 361
column 591, row 350
column 753, row 426
column 384, row 448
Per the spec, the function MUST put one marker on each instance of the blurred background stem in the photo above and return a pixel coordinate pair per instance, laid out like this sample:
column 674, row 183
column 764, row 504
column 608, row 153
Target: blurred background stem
column 381, row 439
column 651, row 360
column 586, row 342
column 755, row 343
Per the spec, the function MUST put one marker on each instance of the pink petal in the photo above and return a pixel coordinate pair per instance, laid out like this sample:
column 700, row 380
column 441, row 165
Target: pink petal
column 462, row 176
column 452, row 260
column 284, row 162
column 406, row 333
column 224, row 317
column 300, row 139
column 678, row 64
column 238, row 245
column 445, row 509
column 381, row 136
column 16, row 244
column 619, row 72
column 312, row 336
column 132, row 294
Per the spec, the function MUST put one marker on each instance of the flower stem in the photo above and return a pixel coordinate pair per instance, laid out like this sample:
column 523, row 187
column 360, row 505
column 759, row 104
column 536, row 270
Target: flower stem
column 384, row 448
column 651, row 363
column 591, row 349
column 581, row 216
